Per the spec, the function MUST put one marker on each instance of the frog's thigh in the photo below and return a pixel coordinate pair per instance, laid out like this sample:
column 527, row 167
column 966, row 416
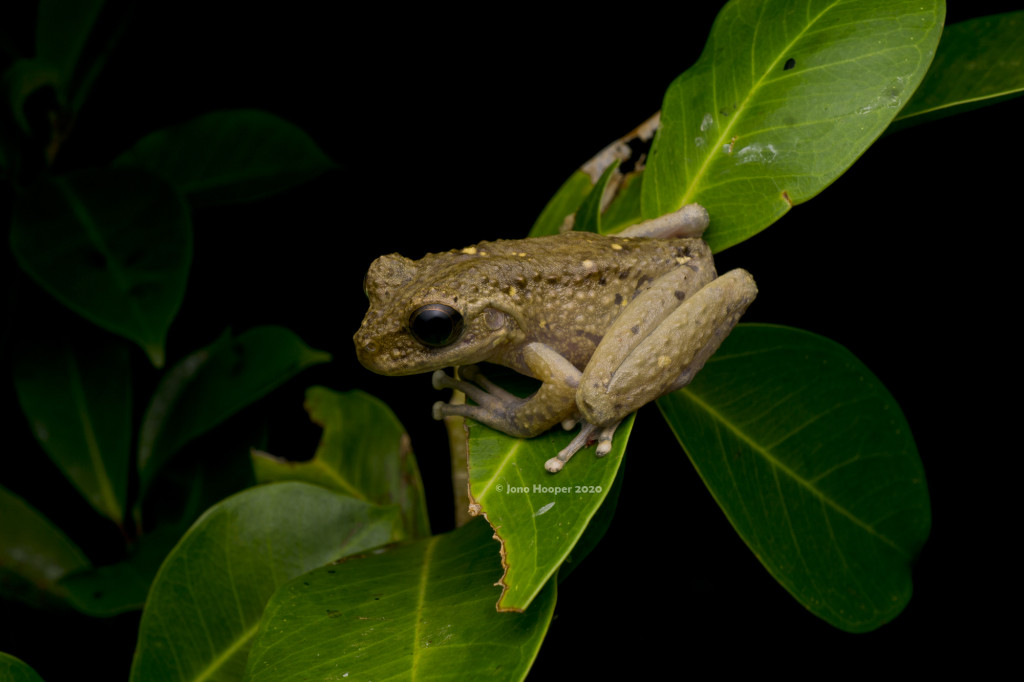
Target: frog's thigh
column 659, row 342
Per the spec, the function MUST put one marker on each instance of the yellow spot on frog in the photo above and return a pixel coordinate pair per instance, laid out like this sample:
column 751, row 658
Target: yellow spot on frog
column 470, row 250
column 588, row 264
column 617, row 247
column 664, row 361
column 512, row 291
column 683, row 259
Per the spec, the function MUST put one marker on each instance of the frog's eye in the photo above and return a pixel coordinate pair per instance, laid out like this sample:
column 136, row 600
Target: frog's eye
column 436, row 324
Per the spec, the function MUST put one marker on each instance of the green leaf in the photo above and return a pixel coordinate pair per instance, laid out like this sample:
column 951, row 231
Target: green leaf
column 785, row 97
column 624, row 209
column 588, row 216
column 979, row 62
column 229, row 157
column 565, row 202
column 207, row 600
column 77, row 398
column 214, row 383
column 829, row 493
column 33, row 550
column 112, row 245
column 424, row 610
column 364, row 452
column 537, row 516
column 62, row 29
column 120, row 587
column 15, row 670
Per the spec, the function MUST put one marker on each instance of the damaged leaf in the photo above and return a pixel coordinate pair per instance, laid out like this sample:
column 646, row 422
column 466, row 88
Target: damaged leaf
column 784, row 98
column 410, row 612
column 371, row 464
column 538, row 517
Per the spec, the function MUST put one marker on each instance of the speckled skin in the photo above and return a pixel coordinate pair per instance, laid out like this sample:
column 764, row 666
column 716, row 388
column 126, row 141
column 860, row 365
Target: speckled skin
column 543, row 306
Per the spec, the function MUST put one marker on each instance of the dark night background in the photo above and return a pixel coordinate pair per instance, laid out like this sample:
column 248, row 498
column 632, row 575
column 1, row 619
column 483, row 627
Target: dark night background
column 450, row 128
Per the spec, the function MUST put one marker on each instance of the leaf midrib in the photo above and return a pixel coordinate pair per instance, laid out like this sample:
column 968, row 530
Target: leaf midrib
column 737, row 115
column 780, row 466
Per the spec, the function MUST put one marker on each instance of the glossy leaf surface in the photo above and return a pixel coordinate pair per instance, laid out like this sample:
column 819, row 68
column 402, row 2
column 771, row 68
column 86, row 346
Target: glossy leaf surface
column 370, row 463
column 230, row 156
column 784, row 98
column 215, row 382
column 207, row 600
column 565, row 202
column 814, row 465
column 77, row 398
column 979, row 62
column 112, row 245
column 33, row 549
column 419, row 611
column 538, row 516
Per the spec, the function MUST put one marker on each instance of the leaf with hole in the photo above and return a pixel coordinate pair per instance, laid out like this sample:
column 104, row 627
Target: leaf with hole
column 784, row 98
column 539, row 517
column 370, row 464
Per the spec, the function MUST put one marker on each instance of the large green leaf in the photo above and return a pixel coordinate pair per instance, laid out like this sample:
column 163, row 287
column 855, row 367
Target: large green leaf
column 565, row 202
column 215, row 382
column 15, row 670
column 230, row 156
column 77, row 398
column 785, row 97
column 815, row 466
column 113, row 245
column 979, row 62
column 207, row 600
column 538, row 517
column 420, row 611
column 33, row 551
column 371, row 464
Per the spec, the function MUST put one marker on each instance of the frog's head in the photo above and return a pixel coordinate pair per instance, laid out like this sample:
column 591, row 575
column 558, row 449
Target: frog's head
column 430, row 314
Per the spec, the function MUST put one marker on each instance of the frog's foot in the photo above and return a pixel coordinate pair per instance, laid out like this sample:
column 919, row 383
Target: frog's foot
column 501, row 410
column 584, row 438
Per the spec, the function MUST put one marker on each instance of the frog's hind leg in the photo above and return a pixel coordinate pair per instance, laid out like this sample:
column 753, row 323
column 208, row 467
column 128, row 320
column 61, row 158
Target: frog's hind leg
column 659, row 342
column 554, row 402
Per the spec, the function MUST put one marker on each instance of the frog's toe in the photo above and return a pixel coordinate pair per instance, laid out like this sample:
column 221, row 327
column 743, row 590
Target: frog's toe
column 439, row 380
column 554, row 465
column 438, row 410
column 604, row 439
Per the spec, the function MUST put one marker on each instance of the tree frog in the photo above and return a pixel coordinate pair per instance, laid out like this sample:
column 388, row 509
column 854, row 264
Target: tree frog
column 606, row 323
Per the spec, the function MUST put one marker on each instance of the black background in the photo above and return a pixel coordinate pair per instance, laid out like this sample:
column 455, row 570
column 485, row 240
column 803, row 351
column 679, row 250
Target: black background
column 451, row 127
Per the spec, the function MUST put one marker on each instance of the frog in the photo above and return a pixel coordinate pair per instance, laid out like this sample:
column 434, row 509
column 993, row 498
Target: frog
column 606, row 323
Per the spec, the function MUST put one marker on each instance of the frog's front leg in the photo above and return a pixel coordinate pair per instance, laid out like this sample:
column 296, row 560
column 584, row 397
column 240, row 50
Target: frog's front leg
column 554, row 401
column 660, row 341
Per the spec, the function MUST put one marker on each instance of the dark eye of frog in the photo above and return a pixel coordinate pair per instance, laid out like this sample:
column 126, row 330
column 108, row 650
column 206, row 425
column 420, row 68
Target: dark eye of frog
column 436, row 324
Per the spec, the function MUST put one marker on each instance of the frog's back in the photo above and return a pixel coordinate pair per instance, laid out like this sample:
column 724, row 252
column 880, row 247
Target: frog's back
column 567, row 289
